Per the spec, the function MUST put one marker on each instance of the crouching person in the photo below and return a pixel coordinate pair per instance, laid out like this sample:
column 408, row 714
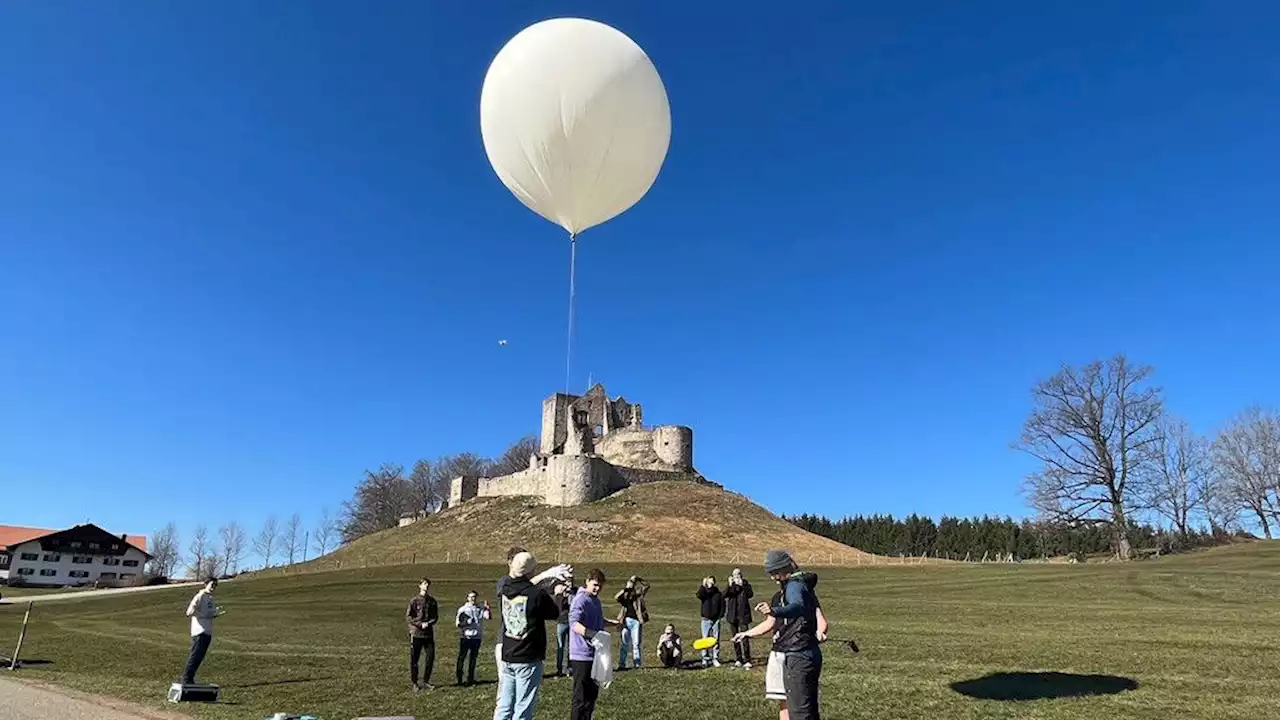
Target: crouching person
column 670, row 647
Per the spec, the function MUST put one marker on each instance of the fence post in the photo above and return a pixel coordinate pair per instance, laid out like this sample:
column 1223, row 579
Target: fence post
column 13, row 664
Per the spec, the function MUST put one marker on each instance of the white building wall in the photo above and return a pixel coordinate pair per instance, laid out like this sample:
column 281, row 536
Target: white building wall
column 56, row 568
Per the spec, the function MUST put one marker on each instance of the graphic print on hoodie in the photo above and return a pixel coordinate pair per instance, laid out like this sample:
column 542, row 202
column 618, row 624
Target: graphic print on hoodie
column 526, row 608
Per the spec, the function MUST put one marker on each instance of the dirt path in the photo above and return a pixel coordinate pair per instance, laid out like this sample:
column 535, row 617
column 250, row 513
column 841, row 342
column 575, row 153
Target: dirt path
column 37, row 701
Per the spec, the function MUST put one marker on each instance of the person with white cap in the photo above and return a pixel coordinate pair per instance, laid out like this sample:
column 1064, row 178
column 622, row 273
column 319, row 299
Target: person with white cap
column 798, row 628
column 526, row 608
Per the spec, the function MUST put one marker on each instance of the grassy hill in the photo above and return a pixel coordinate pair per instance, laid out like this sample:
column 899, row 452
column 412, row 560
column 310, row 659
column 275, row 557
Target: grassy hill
column 657, row 522
column 1189, row 637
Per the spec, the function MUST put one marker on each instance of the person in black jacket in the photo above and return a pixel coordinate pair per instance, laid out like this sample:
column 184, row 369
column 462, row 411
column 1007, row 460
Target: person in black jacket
column 712, row 612
column 421, row 617
column 526, row 608
column 737, row 610
column 563, row 594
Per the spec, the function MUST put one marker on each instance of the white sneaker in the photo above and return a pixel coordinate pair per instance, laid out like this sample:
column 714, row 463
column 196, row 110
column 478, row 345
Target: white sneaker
column 737, row 663
column 715, row 663
column 746, row 666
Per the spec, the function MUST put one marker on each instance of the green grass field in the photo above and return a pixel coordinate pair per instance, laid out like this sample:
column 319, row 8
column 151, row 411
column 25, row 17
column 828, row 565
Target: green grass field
column 1196, row 633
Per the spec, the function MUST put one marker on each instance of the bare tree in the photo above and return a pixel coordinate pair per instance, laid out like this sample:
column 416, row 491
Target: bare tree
column 289, row 537
column 233, row 547
column 198, row 552
column 212, row 564
column 379, row 501
column 448, row 467
column 1095, row 430
column 1182, row 465
column 266, row 543
column 165, row 551
column 425, row 493
column 1247, row 455
column 327, row 528
column 515, row 458
column 1220, row 508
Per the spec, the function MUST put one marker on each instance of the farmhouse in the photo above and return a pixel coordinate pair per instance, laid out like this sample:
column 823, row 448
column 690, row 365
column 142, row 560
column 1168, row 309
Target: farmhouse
column 76, row 556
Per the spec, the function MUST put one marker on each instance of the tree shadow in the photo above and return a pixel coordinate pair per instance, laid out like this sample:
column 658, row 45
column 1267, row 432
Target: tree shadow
column 23, row 662
column 292, row 681
column 1018, row 686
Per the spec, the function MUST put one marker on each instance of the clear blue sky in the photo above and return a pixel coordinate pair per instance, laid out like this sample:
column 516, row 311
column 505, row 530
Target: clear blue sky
column 249, row 249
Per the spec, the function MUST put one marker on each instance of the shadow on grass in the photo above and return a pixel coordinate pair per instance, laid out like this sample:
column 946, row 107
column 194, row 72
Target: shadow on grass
column 23, row 662
column 292, row 681
column 1042, row 686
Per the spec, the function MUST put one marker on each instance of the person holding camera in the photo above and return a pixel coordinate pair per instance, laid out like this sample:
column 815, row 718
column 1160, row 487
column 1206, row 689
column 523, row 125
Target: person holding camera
column 633, row 616
column 737, row 610
column 712, row 612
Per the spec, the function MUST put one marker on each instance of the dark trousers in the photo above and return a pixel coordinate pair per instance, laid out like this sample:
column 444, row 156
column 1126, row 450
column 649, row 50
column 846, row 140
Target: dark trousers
column 425, row 646
column 669, row 657
column 800, row 674
column 199, row 647
column 585, row 690
column 468, row 651
column 741, row 650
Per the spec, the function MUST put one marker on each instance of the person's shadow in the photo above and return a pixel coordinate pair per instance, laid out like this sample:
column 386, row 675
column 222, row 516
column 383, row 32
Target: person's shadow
column 1017, row 686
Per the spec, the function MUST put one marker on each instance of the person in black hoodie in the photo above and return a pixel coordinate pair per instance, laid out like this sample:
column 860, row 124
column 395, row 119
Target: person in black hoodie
column 712, row 611
column 737, row 610
column 526, row 608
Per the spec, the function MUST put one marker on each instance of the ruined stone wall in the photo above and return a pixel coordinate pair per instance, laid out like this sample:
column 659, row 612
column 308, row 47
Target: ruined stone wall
column 555, row 416
column 674, row 445
column 575, row 479
column 629, row 448
column 640, row 476
column 525, row 482
column 463, row 488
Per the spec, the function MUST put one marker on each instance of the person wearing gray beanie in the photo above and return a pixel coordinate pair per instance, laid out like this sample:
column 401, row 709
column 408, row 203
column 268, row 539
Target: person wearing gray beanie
column 793, row 617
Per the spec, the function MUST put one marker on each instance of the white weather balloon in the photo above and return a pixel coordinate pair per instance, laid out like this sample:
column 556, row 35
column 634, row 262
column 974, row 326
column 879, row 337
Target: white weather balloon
column 575, row 121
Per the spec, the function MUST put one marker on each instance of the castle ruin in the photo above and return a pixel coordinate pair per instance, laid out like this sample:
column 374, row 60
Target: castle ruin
column 590, row 447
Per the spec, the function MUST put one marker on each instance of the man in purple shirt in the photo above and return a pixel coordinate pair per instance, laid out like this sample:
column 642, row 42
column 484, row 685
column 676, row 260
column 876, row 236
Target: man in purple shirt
column 586, row 618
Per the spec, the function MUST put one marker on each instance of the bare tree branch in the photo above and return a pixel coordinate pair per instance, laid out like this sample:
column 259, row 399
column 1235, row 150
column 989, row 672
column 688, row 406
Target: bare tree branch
column 1095, row 430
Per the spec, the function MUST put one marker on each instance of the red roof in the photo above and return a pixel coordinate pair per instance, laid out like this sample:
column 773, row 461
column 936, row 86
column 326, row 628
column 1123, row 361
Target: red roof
column 15, row 535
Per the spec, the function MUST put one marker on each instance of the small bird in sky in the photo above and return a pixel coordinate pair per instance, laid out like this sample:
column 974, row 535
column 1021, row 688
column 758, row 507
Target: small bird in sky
column 502, row 342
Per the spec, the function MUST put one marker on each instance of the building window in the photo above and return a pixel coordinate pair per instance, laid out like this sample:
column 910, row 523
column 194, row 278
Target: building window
column 110, row 561
column 4, row 561
column 78, row 574
column 81, row 559
column 48, row 573
column 94, row 546
column 125, row 576
column 30, row 557
column 131, row 563
column 108, row 576
column 26, row 571
column 53, row 558
column 75, row 544
column 115, row 546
